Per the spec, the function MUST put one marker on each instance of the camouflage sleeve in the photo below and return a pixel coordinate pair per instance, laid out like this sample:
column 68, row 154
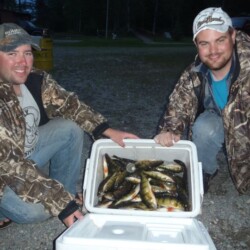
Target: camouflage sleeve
column 59, row 102
column 25, row 179
column 182, row 105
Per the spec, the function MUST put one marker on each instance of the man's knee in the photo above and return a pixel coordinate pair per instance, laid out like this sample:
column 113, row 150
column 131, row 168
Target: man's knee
column 208, row 127
column 14, row 208
column 204, row 131
column 72, row 128
column 67, row 130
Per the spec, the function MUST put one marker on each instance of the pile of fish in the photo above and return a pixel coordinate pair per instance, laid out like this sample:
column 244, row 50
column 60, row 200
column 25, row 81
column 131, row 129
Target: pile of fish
column 152, row 185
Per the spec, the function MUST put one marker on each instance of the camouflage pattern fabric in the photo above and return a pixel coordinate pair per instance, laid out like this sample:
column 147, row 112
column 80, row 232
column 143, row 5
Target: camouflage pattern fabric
column 183, row 106
column 22, row 175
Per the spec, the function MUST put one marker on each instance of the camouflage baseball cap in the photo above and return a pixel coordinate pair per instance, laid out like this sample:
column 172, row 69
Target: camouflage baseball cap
column 12, row 36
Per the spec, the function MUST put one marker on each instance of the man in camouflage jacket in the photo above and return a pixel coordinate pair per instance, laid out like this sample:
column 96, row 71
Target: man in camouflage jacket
column 193, row 96
column 23, row 185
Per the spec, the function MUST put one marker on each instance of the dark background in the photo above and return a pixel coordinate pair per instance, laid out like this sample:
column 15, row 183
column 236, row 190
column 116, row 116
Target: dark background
column 122, row 17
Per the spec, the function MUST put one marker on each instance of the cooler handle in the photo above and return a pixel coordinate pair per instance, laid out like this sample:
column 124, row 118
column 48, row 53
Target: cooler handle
column 201, row 181
column 85, row 176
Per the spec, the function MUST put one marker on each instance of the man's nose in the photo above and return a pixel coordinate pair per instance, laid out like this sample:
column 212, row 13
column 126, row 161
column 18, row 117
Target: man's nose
column 21, row 58
column 213, row 48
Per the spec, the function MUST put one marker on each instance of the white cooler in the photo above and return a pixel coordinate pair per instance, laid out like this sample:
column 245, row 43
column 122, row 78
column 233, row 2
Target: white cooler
column 120, row 229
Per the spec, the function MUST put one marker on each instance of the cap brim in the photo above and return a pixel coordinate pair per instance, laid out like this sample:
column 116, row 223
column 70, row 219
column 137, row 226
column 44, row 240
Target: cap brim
column 219, row 28
column 35, row 46
column 15, row 42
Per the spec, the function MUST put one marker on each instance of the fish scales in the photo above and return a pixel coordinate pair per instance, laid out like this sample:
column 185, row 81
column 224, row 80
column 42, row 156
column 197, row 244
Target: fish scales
column 159, row 176
column 147, row 164
column 147, row 194
column 112, row 165
column 170, row 202
column 129, row 196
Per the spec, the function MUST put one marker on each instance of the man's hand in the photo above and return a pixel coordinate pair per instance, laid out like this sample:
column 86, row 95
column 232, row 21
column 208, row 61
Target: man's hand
column 117, row 136
column 72, row 218
column 167, row 139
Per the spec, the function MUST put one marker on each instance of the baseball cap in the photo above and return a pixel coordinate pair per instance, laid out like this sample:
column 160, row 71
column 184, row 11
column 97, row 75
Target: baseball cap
column 12, row 36
column 211, row 18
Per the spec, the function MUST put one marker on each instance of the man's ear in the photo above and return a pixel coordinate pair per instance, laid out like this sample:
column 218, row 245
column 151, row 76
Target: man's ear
column 233, row 35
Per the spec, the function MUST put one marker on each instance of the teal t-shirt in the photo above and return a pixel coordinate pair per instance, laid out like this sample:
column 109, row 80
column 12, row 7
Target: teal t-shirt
column 220, row 91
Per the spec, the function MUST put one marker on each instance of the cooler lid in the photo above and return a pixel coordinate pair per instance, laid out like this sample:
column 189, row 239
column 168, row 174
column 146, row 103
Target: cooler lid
column 98, row 231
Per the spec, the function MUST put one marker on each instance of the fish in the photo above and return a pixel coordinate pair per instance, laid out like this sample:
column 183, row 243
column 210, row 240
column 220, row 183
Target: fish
column 146, row 193
column 106, row 184
column 147, row 164
column 180, row 182
column 112, row 165
column 108, row 196
column 159, row 176
column 180, row 163
column 171, row 166
column 168, row 186
column 185, row 174
column 125, row 161
column 119, row 178
column 162, row 192
column 123, row 189
column 133, row 178
column 135, row 206
column 158, row 189
column 169, row 209
column 105, row 168
column 128, row 196
column 170, row 203
column 137, row 198
column 105, row 204
column 152, row 185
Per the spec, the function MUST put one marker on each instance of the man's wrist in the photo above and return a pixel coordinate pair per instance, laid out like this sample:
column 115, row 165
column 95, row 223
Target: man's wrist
column 68, row 210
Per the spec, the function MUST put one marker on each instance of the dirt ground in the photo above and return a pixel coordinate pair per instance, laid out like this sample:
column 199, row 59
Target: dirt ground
column 130, row 87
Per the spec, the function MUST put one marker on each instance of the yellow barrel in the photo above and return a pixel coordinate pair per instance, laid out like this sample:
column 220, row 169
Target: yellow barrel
column 44, row 59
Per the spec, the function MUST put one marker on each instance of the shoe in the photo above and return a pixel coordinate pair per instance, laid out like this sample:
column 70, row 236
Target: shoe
column 5, row 224
column 207, row 179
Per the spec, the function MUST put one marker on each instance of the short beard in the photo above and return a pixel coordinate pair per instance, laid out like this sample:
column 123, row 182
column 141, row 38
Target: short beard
column 219, row 67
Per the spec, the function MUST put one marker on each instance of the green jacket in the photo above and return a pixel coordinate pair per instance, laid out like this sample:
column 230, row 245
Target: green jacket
column 182, row 114
column 22, row 175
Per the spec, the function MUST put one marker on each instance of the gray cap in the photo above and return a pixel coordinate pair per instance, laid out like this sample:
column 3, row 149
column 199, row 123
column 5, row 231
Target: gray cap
column 12, row 36
column 211, row 18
